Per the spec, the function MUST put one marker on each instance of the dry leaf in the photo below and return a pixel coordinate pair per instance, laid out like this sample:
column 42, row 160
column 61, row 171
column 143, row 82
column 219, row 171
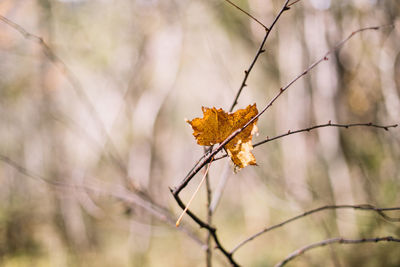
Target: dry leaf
column 216, row 125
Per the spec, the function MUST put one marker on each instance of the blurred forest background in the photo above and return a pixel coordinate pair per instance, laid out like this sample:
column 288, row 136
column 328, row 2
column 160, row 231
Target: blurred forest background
column 93, row 132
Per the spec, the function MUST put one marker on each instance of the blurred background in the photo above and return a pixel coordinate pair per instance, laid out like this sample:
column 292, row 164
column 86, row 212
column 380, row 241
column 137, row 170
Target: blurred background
column 93, row 132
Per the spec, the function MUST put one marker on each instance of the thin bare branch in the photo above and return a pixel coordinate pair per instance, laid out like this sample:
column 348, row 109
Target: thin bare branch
column 367, row 207
column 329, row 124
column 209, row 221
column 209, row 253
column 259, row 52
column 194, row 170
column 338, row 240
column 247, row 13
column 207, row 159
column 209, row 228
column 294, row 2
column 193, row 195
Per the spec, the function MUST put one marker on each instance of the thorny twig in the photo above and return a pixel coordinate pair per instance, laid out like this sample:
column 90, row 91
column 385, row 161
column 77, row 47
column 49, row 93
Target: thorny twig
column 207, row 159
column 337, row 240
column 211, row 155
column 380, row 211
column 211, row 230
column 261, row 49
column 329, row 124
column 247, row 73
column 294, row 2
column 247, row 13
column 259, row 52
column 194, row 194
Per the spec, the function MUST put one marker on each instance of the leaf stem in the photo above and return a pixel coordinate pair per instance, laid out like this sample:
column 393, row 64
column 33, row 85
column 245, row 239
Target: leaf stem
column 178, row 222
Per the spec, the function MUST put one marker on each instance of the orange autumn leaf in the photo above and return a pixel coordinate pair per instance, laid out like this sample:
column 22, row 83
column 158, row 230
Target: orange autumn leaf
column 216, row 125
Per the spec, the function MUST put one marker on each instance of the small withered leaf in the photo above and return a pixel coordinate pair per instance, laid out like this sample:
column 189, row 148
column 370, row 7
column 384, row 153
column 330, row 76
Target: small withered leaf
column 216, row 125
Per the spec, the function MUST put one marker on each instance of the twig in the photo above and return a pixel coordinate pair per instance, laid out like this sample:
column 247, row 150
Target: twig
column 205, row 225
column 380, row 211
column 211, row 155
column 209, row 221
column 194, row 194
column 248, row 14
column 259, row 52
column 207, row 159
column 329, row 124
column 247, row 72
column 294, row 2
column 338, row 240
